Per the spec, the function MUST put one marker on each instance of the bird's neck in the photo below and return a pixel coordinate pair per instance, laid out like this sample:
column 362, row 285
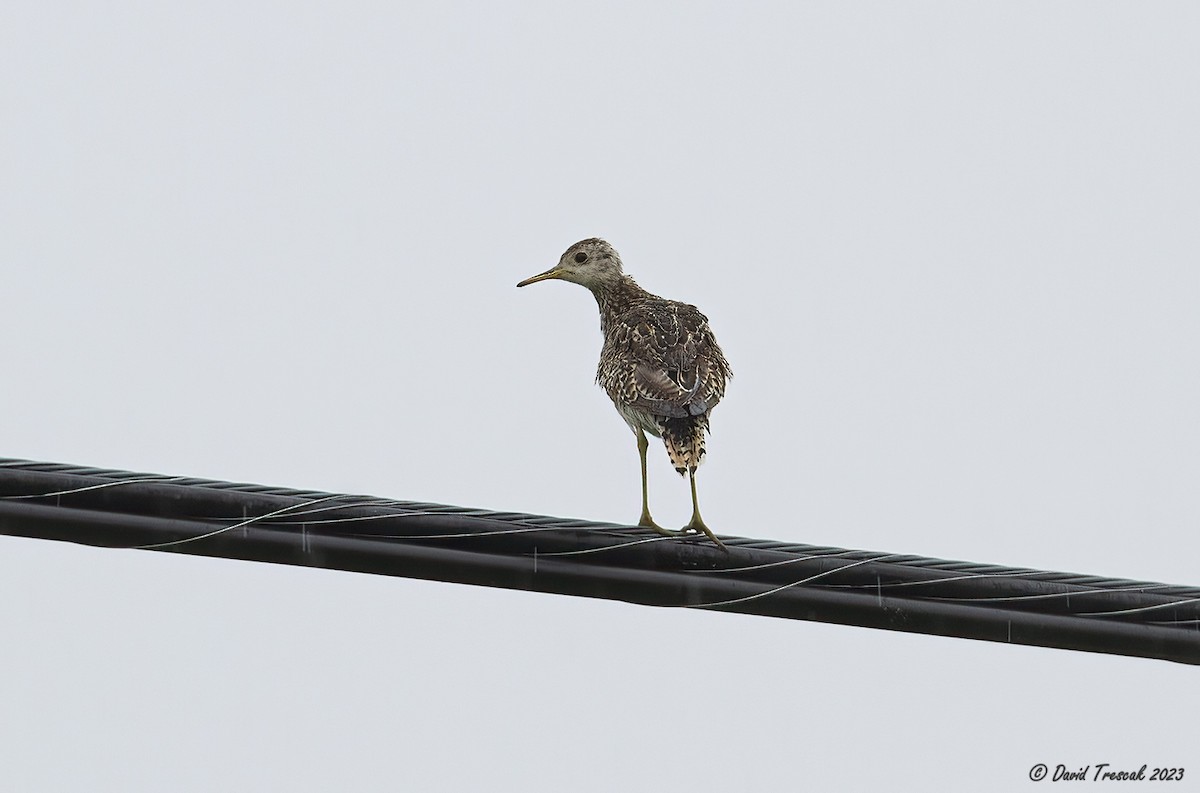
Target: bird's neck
column 616, row 296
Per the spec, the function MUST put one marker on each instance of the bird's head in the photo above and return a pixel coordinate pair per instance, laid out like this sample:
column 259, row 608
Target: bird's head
column 592, row 263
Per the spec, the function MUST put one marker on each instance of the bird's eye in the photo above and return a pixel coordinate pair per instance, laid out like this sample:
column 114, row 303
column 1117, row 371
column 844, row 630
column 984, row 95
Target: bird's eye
column 580, row 257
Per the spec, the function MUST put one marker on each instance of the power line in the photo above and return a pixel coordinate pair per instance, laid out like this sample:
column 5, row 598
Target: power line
column 121, row 509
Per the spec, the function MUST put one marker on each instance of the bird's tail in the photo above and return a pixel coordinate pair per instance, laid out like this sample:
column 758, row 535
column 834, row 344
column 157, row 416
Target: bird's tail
column 684, row 439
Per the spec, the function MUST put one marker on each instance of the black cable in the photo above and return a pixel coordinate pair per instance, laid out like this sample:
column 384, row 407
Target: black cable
column 120, row 509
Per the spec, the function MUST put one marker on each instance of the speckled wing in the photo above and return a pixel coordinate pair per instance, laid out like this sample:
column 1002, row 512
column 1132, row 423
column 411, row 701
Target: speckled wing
column 660, row 356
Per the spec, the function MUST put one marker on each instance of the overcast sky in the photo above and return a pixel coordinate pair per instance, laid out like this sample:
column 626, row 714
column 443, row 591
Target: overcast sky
column 950, row 249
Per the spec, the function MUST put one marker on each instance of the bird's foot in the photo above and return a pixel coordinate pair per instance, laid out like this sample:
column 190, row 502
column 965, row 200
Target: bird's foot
column 647, row 522
column 696, row 525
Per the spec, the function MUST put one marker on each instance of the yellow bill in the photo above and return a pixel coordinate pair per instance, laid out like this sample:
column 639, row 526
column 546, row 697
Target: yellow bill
column 553, row 272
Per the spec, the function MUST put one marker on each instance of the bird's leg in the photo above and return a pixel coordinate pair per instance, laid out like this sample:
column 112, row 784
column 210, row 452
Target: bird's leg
column 646, row 521
column 697, row 523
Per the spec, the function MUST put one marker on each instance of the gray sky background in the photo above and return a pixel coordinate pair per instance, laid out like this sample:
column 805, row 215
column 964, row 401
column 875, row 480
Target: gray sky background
column 949, row 248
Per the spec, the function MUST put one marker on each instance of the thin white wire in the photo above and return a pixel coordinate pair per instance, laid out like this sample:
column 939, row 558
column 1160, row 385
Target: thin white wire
column 224, row 529
column 98, row 487
column 779, row 589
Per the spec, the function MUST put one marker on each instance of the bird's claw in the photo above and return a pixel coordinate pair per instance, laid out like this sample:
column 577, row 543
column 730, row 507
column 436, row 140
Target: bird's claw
column 700, row 528
column 647, row 523
column 690, row 530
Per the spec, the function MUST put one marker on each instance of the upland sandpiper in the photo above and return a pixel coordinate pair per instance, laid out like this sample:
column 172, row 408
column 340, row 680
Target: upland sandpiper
column 660, row 364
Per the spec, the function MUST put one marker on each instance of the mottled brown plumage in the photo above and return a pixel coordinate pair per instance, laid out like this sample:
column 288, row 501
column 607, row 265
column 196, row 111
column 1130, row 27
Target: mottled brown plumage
column 660, row 363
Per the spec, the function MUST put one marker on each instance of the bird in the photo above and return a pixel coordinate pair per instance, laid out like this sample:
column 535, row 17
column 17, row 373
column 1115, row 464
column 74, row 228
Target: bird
column 660, row 364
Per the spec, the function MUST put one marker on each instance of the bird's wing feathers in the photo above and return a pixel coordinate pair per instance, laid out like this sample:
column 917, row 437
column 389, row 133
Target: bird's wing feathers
column 661, row 356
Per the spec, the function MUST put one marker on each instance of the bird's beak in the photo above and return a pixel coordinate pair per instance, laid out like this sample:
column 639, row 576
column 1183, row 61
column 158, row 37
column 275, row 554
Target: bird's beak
column 553, row 272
